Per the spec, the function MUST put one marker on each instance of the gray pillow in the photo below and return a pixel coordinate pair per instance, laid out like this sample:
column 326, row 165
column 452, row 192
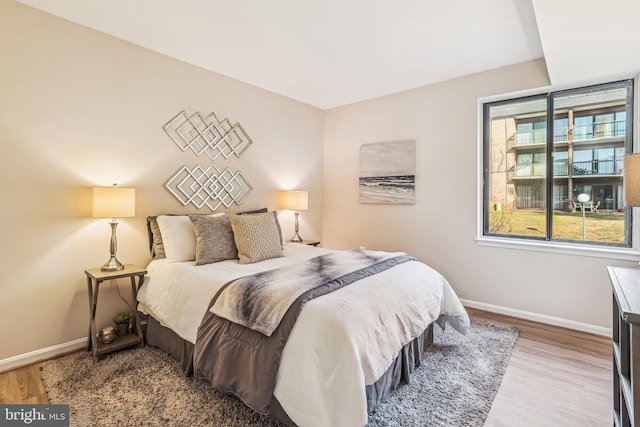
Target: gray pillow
column 214, row 239
column 157, row 246
column 257, row 236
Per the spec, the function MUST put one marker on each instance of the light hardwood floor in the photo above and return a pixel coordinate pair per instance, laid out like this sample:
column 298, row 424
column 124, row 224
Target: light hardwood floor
column 555, row 377
column 22, row 385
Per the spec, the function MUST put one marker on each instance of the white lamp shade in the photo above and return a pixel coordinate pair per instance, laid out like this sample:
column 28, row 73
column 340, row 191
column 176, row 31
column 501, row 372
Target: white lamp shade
column 295, row 200
column 114, row 202
column 632, row 179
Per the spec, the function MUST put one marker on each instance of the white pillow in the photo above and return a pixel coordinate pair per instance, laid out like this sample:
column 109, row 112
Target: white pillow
column 178, row 236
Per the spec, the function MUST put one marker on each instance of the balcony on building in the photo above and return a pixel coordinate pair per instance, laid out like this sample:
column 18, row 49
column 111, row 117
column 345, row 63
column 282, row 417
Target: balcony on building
column 600, row 132
column 598, row 151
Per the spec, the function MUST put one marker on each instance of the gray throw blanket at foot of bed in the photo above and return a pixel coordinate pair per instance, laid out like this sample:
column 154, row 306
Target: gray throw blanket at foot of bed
column 259, row 301
column 245, row 362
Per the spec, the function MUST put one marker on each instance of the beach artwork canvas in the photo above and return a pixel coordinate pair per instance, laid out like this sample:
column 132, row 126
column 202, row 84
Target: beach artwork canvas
column 387, row 173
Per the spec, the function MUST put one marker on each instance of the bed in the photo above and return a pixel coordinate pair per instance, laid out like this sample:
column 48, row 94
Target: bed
column 345, row 351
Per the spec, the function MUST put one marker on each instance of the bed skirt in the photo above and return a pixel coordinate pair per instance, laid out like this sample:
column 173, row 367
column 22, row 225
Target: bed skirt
column 409, row 358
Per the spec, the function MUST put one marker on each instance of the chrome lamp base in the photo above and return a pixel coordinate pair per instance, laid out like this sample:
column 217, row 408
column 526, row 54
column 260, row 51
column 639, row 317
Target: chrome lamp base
column 113, row 264
column 296, row 237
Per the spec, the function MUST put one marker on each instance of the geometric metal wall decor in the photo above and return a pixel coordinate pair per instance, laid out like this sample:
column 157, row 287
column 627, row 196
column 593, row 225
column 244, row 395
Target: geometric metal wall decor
column 209, row 187
column 207, row 135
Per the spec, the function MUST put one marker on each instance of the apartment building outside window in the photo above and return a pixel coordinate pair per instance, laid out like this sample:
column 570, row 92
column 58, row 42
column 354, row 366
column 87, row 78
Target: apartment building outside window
column 542, row 152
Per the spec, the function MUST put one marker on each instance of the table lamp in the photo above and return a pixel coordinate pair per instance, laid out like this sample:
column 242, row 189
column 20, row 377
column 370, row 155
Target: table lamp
column 113, row 202
column 296, row 201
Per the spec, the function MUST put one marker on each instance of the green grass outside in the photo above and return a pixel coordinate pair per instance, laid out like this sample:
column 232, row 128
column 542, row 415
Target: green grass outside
column 600, row 226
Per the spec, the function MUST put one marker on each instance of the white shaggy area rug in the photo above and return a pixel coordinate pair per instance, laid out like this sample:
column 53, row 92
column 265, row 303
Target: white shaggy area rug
column 455, row 386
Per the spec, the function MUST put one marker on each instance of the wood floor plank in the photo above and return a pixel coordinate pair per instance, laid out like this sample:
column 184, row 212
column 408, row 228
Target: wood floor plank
column 22, row 385
column 555, row 377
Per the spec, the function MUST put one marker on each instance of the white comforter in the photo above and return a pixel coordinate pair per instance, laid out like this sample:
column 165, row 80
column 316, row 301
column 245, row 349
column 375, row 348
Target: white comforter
column 341, row 342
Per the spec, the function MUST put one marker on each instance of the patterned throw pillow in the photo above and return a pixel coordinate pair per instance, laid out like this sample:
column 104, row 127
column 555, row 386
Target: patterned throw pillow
column 257, row 236
column 214, row 239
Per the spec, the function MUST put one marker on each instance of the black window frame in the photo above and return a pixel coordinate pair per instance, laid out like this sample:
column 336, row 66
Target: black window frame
column 549, row 148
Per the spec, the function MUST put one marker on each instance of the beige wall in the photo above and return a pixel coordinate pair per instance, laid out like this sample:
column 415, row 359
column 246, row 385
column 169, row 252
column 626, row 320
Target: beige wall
column 440, row 229
column 80, row 109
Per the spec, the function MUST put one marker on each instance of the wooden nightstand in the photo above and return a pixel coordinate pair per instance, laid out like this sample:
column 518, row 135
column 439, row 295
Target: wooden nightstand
column 311, row 242
column 95, row 276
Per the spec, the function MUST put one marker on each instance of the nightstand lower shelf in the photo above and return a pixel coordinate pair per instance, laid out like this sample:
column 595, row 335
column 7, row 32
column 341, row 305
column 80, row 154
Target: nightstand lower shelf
column 118, row 344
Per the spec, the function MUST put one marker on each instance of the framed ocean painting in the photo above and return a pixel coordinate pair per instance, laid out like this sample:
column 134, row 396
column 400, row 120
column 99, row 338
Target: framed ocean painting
column 387, row 173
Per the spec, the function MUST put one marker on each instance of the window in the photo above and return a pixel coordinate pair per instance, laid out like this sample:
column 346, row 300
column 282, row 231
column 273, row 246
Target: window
column 560, row 130
column 531, row 132
column 530, row 165
column 541, row 152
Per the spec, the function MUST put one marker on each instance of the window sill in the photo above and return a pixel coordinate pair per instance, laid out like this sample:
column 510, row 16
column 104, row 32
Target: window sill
column 627, row 254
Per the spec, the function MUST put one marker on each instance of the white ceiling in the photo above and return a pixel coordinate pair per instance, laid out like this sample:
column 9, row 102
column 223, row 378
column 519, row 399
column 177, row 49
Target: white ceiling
column 329, row 53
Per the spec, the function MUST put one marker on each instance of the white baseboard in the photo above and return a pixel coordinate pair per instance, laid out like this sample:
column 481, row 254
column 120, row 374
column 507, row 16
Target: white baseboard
column 42, row 354
column 542, row 318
